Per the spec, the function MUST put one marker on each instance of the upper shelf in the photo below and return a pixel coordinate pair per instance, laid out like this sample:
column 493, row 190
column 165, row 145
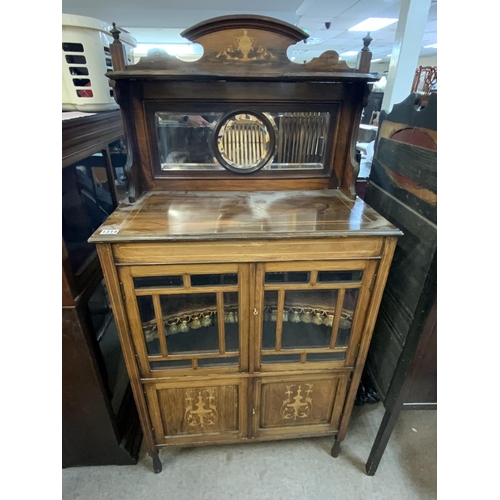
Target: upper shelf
column 249, row 48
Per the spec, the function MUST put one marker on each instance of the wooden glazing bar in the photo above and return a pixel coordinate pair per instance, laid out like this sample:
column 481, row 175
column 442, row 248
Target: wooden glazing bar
column 194, row 363
column 197, row 355
column 186, row 280
column 178, row 291
column 318, row 286
column 279, row 318
column 303, row 357
column 258, row 315
column 179, row 270
column 314, row 277
column 220, row 322
column 160, row 325
column 244, row 326
column 336, row 319
column 300, row 350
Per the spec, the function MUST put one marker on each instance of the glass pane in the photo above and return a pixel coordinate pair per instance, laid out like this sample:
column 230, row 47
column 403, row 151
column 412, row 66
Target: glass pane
column 269, row 324
column 190, row 322
column 308, row 318
column 326, row 356
column 158, row 282
column 281, row 358
column 174, row 363
column 86, row 203
column 187, row 141
column 345, row 325
column 203, row 362
column 290, row 277
column 214, row 279
column 118, row 154
column 231, row 324
column 339, row 276
column 99, row 308
column 114, row 373
column 147, row 314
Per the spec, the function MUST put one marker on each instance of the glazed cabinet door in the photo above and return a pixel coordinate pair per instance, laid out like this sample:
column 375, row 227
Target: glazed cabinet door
column 298, row 405
column 184, row 411
column 188, row 319
column 310, row 315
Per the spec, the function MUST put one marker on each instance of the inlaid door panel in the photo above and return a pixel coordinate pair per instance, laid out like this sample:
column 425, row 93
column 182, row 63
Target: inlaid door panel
column 188, row 319
column 198, row 410
column 310, row 315
column 299, row 404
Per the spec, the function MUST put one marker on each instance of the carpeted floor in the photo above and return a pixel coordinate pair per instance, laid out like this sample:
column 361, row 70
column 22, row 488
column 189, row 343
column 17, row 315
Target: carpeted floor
column 280, row 470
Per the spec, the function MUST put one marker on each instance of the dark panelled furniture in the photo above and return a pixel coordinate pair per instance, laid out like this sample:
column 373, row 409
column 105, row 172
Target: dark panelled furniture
column 402, row 358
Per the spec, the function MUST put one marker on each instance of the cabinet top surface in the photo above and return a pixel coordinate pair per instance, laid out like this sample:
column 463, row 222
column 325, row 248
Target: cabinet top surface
column 201, row 215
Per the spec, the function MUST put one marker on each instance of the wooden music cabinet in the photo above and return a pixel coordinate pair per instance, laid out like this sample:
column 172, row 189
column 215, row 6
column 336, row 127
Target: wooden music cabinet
column 244, row 274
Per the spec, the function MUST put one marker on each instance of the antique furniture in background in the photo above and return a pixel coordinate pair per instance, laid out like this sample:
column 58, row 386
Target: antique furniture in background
column 424, row 83
column 402, row 359
column 374, row 105
column 244, row 275
column 100, row 423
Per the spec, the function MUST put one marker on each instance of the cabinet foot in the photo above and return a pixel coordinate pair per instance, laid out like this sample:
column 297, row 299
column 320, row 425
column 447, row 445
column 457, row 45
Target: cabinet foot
column 335, row 449
column 156, row 463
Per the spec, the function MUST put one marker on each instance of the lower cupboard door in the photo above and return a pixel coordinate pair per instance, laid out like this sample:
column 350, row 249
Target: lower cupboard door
column 198, row 411
column 298, row 405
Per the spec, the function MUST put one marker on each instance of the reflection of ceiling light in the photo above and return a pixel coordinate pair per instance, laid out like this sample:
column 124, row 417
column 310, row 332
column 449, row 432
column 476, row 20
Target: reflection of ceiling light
column 432, row 46
column 349, row 53
column 174, row 49
column 373, row 24
column 376, row 60
column 313, row 41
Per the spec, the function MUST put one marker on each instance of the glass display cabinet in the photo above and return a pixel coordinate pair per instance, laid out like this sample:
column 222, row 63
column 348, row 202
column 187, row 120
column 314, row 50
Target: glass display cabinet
column 244, row 274
column 100, row 425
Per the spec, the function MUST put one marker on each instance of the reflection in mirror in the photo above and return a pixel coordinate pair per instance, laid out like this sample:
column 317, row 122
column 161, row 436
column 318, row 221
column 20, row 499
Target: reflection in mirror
column 245, row 142
column 186, row 140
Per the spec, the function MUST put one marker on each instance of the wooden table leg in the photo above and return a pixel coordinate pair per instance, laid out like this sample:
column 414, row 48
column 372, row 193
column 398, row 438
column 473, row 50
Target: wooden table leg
column 383, row 435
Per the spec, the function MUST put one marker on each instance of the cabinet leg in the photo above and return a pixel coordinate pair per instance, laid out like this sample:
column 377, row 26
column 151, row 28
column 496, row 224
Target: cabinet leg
column 335, row 448
column 156, row 463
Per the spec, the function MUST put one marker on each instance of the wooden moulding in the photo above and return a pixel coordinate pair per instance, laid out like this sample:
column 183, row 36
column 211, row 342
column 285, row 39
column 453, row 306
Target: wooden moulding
column 243, row 46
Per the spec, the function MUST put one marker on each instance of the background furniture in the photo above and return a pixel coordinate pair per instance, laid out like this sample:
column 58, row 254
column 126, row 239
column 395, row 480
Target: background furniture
column 374, row 105
column 245, row 276
column 100, row 423
column 402, row 187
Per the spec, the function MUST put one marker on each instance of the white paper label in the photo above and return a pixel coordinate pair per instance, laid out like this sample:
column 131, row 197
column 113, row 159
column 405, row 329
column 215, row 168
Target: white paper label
column 109, row 231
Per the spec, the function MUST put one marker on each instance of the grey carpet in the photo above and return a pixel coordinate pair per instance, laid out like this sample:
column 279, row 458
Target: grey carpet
column 280, row 470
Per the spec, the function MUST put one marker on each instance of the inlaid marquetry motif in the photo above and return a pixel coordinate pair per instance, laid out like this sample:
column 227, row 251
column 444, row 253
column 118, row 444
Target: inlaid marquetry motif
column 245, row 48
column 200, row 408
column 298, row 406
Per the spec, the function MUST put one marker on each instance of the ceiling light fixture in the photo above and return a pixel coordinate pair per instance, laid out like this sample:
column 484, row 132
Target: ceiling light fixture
column 432, row 46
column 376, row 60
column 373, row 24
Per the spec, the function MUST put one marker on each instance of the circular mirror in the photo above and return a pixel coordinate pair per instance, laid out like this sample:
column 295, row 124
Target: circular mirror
column 244, row 141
